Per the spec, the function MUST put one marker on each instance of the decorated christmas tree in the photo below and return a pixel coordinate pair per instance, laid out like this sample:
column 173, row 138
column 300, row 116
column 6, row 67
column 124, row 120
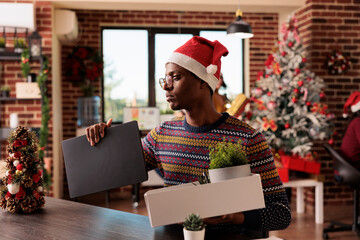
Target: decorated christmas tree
column 286, row 104
column 22, row 188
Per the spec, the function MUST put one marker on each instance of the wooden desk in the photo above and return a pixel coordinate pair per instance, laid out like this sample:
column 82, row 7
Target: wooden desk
column 319, row 196
column 62, row 219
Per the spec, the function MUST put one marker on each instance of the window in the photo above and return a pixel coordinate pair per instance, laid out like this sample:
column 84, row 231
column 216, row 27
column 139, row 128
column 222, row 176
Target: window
column 134, row 60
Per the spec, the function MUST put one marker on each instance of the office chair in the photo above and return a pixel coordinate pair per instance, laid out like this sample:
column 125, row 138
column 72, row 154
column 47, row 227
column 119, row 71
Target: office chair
column 346, row 174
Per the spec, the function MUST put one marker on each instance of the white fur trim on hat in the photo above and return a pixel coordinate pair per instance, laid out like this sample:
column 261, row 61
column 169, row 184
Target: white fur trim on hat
column 211, row 69
column 355, row 107
column 195, row 67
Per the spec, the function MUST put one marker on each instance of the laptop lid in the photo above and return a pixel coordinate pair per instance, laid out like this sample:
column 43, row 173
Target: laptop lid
column 117, row 160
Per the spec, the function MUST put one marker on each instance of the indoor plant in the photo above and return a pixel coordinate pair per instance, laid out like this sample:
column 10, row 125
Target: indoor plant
column 2, row 44
column 194, row 227
column 227, row 161
column 19, row 45
column 5, row 91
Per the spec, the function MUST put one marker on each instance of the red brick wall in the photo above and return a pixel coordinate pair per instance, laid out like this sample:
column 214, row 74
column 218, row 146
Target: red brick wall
column 264, row 27
column 326, row 26
column 29, row 111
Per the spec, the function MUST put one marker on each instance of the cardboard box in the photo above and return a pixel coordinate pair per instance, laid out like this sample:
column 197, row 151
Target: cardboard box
column 27, row 90
column 171, row 205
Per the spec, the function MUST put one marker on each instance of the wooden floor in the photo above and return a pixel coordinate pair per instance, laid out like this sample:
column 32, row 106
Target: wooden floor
column 302, row 227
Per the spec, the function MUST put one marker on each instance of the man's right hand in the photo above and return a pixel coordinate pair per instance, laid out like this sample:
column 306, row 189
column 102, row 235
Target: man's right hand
column 97, row 131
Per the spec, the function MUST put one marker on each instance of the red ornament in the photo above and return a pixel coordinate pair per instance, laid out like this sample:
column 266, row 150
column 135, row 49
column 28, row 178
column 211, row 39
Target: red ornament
column 290, row 44
column 283, row 54
column 296, row 90
column 308, row 103
column 21, row 194
column 36, row 178
column 294, row 100
column 308, row 79
column 8, row 196
column 287, row 125
column 304, row 60
column 297, row 70
column 322, row 94
column 19, row 167
column 266, row 75
column 17, row 143
column 269, row 94
column 24, row 142
column 17, row 155
column 42, row 148
column 10, row 179
column 331, row 141
column 36, row 195
column 300, row 83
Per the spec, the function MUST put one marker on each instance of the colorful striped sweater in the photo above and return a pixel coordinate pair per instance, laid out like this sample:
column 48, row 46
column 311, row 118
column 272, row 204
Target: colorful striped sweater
column 181, row 153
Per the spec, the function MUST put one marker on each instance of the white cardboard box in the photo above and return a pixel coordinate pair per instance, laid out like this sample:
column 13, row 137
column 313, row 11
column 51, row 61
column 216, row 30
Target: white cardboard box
column 27, row 90
column 173, row 204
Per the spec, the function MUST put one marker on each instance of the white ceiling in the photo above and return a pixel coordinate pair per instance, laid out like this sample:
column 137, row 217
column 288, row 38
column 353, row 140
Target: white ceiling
column 185, row 5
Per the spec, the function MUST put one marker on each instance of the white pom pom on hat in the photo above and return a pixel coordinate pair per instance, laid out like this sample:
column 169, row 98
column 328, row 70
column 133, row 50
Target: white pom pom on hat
column 201, row 57
column 353, row 102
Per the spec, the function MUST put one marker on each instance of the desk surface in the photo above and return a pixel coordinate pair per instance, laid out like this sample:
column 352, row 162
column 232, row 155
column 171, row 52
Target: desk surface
column 62, row 219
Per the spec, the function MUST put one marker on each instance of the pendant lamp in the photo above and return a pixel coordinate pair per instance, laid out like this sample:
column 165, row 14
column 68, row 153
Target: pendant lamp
column 239, row 28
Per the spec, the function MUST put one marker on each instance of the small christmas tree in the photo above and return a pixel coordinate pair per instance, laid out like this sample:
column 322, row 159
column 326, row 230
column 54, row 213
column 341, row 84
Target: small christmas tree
column 22, row 189
column 286, row 103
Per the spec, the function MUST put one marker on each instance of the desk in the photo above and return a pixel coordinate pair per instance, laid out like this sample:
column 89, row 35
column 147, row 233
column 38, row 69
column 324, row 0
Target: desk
column 62, row 219
column 319, row 196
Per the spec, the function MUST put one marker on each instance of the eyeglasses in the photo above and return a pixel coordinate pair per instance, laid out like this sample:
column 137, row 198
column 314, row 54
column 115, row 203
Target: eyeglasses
column 169, row 80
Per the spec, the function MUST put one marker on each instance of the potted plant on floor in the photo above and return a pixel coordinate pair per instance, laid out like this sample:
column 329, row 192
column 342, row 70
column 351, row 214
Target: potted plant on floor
column 194, row 228
column 5, row 91
column 227, row 161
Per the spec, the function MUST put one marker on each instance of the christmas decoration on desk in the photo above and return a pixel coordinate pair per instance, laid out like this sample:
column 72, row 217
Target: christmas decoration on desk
column 22, row 188
column 337, row 63
column 84, row 67
column 286, row 103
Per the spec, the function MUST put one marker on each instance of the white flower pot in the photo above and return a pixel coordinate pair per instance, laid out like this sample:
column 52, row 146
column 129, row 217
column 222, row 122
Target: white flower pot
column 194, row 235
column 222, row 174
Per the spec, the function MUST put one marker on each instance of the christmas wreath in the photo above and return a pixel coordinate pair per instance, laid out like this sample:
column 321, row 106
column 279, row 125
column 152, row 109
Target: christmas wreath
column 85, row 66
column 337, row 63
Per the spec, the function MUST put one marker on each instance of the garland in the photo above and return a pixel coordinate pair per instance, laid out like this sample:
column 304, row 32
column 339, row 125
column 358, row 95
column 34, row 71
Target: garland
column 25, row 62
column 45, row 109
column 337, row 63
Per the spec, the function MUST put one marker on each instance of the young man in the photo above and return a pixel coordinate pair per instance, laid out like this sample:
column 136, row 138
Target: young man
column 180, row 148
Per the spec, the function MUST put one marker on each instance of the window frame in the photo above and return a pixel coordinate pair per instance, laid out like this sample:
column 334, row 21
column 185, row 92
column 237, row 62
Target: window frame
column 152, row 31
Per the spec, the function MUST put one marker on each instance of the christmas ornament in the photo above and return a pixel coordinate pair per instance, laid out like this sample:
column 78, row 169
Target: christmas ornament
column 24, row 174
column 271, row 105
column 337, row 63
column 287, row 125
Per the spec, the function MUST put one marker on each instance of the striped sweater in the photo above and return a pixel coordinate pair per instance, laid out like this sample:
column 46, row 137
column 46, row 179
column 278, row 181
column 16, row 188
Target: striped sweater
column 181, row 153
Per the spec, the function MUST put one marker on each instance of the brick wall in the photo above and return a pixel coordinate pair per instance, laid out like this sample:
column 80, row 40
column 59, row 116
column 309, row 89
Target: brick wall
column 264, row 27
column 29, row 111
column 325, row 26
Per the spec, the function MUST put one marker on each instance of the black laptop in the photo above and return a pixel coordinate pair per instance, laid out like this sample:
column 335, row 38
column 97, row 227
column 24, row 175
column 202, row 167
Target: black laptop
column 117, row 160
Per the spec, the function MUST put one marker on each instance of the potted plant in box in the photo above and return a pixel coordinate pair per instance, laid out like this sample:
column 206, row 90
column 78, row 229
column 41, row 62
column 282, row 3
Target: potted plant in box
column 2, row 44
column 194, row 227
column 227, row 161
column 19, row 45
column 5, row 91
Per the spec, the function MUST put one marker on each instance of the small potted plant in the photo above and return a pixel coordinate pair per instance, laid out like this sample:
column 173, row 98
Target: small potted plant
column 194, row 228
column 5, row 91
column 228, row 161
column 19, row 45
column 2, row 44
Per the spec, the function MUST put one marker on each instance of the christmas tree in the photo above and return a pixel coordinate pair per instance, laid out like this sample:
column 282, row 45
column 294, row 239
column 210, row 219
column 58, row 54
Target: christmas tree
column 286, row 103
column 22, row 189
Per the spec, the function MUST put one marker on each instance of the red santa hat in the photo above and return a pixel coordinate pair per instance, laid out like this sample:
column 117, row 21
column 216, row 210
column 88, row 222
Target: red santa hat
column 201, row 57
column 353, row 102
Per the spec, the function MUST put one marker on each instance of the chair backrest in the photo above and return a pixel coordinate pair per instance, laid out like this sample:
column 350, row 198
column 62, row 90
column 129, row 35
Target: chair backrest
column 347, row 174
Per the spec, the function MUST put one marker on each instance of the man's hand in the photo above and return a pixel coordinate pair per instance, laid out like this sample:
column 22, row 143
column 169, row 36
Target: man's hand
column 97, row 131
